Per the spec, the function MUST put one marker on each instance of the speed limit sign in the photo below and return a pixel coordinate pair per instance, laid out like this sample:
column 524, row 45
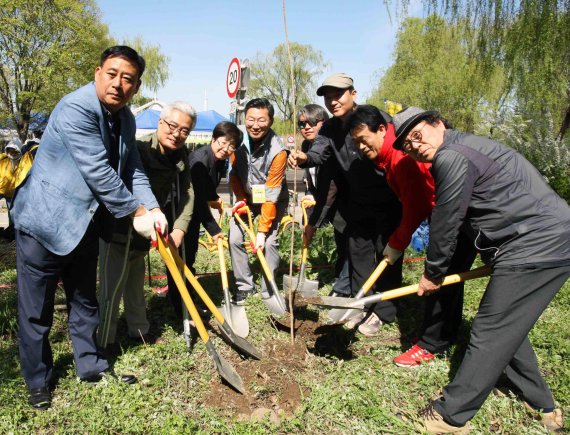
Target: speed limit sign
column 233, row 78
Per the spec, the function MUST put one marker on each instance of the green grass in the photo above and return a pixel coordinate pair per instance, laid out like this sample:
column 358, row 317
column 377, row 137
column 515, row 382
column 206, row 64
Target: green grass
column 355, row 389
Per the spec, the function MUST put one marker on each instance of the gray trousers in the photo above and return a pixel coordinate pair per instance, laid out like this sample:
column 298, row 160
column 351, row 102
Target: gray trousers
column 513, row 301
column 116, row 283
column 240, row 264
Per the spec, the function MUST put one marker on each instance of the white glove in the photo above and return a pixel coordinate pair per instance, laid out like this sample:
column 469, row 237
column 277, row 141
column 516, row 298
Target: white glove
column 260, row 241
column 160, row 221
column 144, row 225
column 392, row 254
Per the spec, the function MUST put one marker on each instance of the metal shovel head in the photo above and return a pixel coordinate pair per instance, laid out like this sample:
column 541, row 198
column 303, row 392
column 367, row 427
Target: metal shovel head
column 236, row 317
column 307, row 287
column 275, row 304
column 242, row 345
column 338, row 302
column 226, row 371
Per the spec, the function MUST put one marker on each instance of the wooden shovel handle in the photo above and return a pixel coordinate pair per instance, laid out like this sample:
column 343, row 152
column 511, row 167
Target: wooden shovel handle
column 450, row 279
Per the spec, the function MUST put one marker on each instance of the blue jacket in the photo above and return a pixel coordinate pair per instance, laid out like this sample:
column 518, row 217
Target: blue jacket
column 71, row 176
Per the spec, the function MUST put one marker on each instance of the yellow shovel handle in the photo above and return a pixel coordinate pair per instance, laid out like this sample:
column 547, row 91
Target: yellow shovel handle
column 197, row 286
column 259, row 252
column 223, row 270
column 450, row 279
column 166, row 255
column 375, row 275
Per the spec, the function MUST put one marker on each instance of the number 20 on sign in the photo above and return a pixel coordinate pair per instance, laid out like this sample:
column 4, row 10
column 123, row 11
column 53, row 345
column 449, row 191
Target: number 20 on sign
column 233, row 78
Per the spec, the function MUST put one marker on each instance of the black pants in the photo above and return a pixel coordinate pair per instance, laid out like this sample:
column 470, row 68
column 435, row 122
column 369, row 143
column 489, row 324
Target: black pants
column 366, row 241
column 513, row 301
column 39, row 271
column 341, row 267
column 443, row 310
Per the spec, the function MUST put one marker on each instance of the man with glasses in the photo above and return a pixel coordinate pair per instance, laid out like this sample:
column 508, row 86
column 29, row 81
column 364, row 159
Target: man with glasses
column 165, row 160
column 366, row 202
column 522, row 229
column 258, row 180
column 412, row 182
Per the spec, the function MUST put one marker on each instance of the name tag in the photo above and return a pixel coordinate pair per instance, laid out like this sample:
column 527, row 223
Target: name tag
column 258, row 193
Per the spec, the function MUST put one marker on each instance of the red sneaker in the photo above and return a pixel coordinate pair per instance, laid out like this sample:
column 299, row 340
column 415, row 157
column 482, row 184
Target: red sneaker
column 413, row 357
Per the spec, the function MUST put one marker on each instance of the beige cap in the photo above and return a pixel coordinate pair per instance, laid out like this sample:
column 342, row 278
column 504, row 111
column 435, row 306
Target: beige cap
column 337, row 80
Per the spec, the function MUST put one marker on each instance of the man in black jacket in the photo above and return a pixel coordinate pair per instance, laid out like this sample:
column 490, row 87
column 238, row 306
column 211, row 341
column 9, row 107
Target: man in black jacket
column 366, row 202
column 522, row 229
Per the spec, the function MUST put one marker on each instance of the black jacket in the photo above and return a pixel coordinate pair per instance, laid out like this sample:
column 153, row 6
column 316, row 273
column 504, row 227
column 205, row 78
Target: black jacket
column 362, row 188
column 513, row 215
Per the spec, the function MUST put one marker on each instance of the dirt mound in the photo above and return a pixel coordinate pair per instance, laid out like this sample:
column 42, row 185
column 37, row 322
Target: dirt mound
column 272, row 384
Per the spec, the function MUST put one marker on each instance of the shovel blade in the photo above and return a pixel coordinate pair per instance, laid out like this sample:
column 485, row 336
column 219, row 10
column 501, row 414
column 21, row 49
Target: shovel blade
column 225, row 369
column 236, row 317
column 274, row 303
column 242, row 345
column 307, row 287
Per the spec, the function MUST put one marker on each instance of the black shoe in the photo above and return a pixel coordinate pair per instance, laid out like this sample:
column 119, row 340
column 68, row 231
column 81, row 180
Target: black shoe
column 241, row 296
column 95, row 379
column 39, row 398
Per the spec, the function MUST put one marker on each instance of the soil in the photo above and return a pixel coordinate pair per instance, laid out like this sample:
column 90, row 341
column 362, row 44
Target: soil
column 272, row 384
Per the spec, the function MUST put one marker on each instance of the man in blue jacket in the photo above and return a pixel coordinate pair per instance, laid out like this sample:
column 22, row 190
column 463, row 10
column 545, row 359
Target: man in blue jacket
column 87, row 169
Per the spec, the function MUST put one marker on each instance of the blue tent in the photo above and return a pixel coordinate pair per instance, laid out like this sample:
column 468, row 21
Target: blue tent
column 147, row 120
column 206, row 120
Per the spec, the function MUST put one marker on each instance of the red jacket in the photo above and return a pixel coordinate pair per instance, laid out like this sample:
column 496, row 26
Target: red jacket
column 412, row 183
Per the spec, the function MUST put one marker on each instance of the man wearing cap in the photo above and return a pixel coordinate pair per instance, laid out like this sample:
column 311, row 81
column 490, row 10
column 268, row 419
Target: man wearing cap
column 366, row 202
column 522, row 229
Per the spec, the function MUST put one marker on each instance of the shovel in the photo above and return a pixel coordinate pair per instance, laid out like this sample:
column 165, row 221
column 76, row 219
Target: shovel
column 273, row 300
column 235, row 315
column 307, row 287
column 360, row 304
column 224, row 368
column 239, row 343
column 343, row 315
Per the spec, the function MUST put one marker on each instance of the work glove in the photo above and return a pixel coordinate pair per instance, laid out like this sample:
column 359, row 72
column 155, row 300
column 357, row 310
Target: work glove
column 392, row 254
column 308, row 200
column 217, row 204
column 144, row 225
column 160, row 221
column 239, row 208
column 260, row 241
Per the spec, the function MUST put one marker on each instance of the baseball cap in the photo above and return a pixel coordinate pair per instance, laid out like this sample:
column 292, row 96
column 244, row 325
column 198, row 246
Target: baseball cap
column 337, row 80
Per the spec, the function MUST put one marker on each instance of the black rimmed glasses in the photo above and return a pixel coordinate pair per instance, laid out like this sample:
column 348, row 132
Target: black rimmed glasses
column 183, row 132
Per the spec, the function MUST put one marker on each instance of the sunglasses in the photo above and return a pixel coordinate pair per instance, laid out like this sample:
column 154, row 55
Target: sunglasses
column 304, row 124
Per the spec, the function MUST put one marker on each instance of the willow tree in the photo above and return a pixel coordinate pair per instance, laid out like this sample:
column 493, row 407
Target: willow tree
column 270, row 77
column 530, row 39
column 432, row 68
column 156, row 72
column 46, row 50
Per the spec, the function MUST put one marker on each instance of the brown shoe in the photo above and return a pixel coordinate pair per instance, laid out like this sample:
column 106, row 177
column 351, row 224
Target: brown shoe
column 553, row 421
column 433, row 423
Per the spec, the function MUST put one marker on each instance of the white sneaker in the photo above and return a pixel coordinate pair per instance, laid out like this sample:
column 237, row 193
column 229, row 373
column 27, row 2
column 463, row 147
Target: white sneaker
column 371, row 326
column 355, row 320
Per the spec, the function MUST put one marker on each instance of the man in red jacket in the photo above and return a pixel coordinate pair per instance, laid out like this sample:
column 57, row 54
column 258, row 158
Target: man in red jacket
column 414, row 186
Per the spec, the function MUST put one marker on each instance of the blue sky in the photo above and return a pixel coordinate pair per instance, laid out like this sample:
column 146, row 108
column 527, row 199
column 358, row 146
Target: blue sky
column 201, row 38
